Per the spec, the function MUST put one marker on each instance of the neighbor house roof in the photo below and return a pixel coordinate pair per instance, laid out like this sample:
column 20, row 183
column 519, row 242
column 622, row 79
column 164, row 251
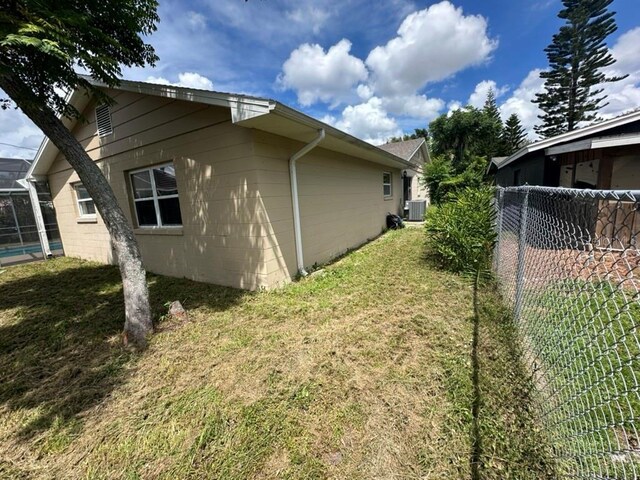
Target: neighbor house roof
column 407, row 148
column 12, row 170
column 247, row 111
column 551, row 145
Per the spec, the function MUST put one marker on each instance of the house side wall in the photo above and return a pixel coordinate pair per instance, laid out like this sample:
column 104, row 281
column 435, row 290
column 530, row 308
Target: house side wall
column 626, row 172
column 527, row 171
column 222, row 239
column 341, row 202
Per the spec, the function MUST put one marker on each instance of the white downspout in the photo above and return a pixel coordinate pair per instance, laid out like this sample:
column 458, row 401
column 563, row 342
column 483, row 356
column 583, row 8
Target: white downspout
column 297, row 229
column 37, row 213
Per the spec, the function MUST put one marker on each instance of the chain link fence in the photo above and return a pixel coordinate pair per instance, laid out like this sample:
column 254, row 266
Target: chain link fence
column 568, row 264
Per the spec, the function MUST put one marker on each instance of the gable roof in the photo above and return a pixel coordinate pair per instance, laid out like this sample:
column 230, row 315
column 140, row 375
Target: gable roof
column 573, row 136
column 407, row 148
column 247, row 111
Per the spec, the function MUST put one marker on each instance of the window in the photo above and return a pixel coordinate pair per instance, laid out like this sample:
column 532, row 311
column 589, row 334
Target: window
column 155, row 197
column 103, row 120
column 386, row 184
column 86, row 207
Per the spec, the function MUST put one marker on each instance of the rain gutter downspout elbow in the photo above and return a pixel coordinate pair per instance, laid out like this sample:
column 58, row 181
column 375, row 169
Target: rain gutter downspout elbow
column 29, row 183
column 297, row 229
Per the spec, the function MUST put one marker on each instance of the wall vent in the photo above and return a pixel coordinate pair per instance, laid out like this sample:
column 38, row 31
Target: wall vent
column 103, row 119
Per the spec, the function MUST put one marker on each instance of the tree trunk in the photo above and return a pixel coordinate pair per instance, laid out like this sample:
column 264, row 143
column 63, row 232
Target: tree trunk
column 136, row 294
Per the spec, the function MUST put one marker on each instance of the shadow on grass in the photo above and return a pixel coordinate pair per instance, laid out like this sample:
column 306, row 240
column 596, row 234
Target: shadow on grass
column 507, row 438
column 60, row 342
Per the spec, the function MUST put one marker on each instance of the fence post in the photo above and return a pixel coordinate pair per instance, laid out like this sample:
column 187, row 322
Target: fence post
column 522, row 247
column 499, row 208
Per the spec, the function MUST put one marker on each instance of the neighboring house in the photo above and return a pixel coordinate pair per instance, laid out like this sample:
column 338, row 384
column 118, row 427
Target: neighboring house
column 221, row 188
column 605, row 155
column 416, row 152
column 20, row 237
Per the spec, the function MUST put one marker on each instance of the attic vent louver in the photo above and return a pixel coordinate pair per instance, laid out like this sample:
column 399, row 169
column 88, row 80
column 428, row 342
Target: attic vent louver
column 103, row 119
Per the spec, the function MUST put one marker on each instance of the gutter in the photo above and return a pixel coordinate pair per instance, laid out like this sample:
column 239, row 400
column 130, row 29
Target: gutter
column 297, row 229
column 29, row 184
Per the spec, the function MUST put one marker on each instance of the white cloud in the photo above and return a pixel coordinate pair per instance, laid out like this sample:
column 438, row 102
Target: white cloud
column 624, row 95
column 309, row 15
column 196, row 21
column 318, row 75
column 368, row 121
column 452, row 106
column 185, row 79
column 479, row 95
column 432, row 44
column 625, row 51
column 364, row 92
column 520, row 102
column 16, row 129
column 415, row 106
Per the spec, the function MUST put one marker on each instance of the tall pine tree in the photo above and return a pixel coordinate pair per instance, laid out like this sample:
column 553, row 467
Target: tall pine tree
column 491, row 142
column 577, row 55
column 513, row 134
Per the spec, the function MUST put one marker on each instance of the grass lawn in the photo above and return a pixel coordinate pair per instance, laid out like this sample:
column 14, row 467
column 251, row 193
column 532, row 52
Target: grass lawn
column 375, row 368
column 589, row 373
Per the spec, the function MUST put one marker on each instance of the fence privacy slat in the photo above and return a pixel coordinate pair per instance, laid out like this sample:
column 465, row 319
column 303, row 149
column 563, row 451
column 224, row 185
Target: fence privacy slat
column 568, row 264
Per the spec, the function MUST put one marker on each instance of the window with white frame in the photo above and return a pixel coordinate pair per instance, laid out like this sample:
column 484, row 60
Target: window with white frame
column 386, row 184
column 155, row 196
column 86, row 207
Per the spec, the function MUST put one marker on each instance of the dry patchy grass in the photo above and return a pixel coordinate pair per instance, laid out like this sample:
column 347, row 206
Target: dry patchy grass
column 363, row 371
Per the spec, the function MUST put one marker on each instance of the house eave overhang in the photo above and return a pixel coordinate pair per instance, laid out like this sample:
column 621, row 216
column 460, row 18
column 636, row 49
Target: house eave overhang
column 287, row 122
column 593, row 143
column 247, row 111
column 570, row 137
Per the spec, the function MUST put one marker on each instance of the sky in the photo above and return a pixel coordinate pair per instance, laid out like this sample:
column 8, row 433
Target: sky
column 374, row 69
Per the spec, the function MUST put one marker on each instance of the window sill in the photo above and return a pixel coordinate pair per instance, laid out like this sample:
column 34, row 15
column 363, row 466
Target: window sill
column 87, row 220
column 177, row 231
column 386, row 199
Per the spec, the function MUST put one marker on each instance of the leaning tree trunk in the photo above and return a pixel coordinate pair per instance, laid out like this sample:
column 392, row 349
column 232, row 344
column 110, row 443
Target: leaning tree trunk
column 136, row 294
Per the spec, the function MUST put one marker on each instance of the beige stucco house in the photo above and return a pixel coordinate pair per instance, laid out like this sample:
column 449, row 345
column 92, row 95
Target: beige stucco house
column 221, row 188
column 416, row 152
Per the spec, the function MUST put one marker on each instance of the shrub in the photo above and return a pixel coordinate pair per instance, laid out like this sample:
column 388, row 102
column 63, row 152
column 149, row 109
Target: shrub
column 461, row 233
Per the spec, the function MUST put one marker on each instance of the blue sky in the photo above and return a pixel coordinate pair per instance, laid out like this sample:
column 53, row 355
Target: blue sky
column 372, row 68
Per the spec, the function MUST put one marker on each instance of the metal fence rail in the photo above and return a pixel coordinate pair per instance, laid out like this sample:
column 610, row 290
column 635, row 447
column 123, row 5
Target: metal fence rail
column 568, row 263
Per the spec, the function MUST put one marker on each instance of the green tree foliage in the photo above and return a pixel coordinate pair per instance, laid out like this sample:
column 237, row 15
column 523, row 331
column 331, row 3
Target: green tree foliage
column 460, row 232
column 577, row 54
column 417, row 133
column 465, row 134
column 491, row 144
column 443, row 182
column 437, row 171
column 513, row 134
column 490, row 107
column 42, row 42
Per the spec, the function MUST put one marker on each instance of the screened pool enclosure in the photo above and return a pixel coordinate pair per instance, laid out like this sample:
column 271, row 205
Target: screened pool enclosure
column 19, row 236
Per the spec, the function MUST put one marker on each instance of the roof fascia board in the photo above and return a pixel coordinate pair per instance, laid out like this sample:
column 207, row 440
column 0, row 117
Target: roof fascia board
column 287, row 112
column 418, row 148
column 241, row 107
column 605, row 142
column 189, row 94
column 47, row 150
column 569, row 147
column 575, row 134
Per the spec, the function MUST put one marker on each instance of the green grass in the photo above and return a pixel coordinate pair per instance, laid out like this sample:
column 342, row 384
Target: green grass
column 591, row 370
column 367, row 369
